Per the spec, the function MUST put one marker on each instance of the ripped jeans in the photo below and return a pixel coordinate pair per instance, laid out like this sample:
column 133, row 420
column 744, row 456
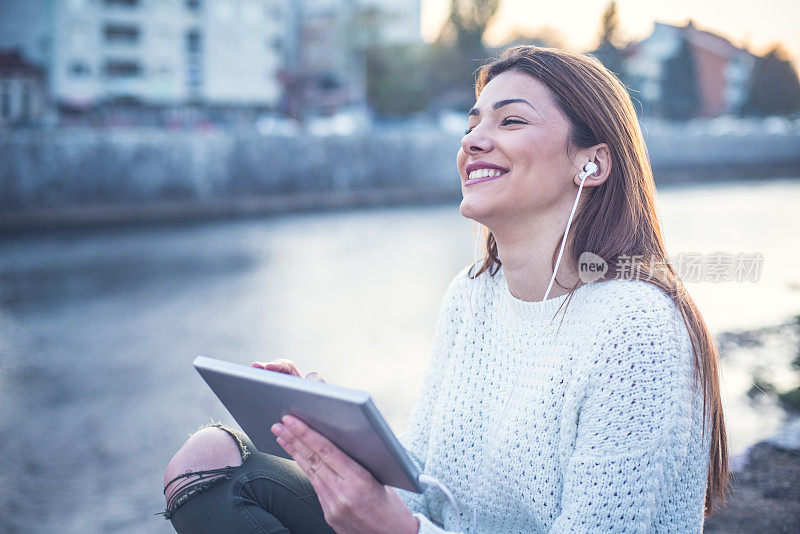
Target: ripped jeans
column 266, row 494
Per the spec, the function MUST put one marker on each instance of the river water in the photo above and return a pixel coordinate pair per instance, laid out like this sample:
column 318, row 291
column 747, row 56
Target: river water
column 98, row 330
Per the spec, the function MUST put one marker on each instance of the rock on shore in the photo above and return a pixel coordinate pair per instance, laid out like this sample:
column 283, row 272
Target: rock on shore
column 765, row 493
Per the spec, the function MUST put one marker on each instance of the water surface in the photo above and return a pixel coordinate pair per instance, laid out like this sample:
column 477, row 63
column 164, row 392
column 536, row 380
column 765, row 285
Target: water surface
column 98, row 330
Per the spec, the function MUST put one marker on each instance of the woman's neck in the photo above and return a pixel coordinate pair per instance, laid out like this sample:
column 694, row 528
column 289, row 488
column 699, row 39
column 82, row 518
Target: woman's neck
column 527, row 257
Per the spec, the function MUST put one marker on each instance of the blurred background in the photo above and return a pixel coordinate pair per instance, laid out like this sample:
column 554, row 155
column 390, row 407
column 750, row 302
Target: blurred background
column 254, row 179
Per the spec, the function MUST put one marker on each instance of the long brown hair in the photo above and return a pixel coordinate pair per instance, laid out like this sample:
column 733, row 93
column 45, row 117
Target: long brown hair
column 618, row 220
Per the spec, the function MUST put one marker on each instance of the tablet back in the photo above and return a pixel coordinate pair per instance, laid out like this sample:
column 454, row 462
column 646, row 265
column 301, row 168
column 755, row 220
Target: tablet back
column 257, row 399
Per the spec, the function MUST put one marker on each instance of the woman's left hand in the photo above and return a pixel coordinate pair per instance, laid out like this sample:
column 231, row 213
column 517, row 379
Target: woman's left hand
column 352, row 500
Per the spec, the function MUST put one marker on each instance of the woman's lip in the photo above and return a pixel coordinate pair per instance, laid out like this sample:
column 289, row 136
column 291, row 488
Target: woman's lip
column 482, row 179
column 483, row 165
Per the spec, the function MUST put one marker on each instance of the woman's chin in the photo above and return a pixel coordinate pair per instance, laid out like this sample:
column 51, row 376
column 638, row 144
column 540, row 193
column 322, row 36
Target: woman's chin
column 475, row 210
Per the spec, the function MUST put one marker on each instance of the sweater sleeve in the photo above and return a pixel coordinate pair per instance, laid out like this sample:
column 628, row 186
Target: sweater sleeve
column 634, row 424
column 415, row 438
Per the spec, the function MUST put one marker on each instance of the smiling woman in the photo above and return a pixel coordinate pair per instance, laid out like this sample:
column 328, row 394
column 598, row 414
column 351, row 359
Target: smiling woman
column 609, row 421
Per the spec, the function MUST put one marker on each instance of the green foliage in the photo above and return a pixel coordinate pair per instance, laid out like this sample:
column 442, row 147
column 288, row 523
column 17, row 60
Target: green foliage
column 468, row 20
column 680, row 95
column 407, row 79
column 611, row 57
column 453, row 76
column 610, row 25
column 610, row 52
column 760, row 387
column 791, row 399
column 398, row 79
column 459, row 52
column 774, row 87
column 796, row 360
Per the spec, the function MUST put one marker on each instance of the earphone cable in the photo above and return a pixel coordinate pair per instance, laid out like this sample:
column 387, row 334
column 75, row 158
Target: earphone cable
column 430, row 481
column 476, row 474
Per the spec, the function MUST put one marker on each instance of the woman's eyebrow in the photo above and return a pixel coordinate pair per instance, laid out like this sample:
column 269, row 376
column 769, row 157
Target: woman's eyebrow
column 500, row 103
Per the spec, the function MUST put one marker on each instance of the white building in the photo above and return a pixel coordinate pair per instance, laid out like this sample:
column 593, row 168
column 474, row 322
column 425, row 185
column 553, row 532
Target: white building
column 397, row 21
column 160, row 52
column 303, row 55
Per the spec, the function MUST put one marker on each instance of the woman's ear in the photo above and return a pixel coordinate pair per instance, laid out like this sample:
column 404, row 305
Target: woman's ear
column 600, row 155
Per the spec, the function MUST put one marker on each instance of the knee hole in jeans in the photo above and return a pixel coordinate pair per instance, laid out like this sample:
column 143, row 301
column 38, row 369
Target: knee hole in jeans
column 205, row 459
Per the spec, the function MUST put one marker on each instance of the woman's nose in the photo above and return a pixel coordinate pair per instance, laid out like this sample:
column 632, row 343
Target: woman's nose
column 475, row 142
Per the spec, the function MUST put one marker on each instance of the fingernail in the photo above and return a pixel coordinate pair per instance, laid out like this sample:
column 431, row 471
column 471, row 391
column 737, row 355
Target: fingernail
column 277, row 429
column 288, row 420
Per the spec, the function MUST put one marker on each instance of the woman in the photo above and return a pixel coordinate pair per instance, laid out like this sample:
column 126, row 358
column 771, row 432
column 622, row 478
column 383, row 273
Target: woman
column 594, row 410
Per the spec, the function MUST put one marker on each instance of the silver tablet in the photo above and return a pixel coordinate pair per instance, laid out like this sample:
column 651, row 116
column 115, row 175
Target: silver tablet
column 257, row 399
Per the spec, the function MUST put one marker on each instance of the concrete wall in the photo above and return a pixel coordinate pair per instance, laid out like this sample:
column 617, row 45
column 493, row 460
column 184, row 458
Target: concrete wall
column 74, row 168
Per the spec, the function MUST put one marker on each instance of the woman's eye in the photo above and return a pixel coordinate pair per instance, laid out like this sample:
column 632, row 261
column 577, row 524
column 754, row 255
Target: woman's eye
column 505, row 122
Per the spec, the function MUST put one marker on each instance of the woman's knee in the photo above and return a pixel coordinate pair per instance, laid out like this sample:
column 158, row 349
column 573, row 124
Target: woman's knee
column 206, row 457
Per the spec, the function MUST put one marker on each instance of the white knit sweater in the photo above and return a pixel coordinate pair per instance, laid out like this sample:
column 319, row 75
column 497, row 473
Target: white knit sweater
column 602, row 432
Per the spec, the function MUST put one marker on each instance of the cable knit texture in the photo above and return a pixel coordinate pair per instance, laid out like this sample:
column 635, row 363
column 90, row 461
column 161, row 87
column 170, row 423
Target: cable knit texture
column 602, row 432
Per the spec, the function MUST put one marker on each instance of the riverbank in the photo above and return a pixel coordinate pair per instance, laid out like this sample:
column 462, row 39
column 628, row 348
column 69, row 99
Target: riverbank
column 765, row 479
column 766, row 490
column 51, row 178
column 77, row 215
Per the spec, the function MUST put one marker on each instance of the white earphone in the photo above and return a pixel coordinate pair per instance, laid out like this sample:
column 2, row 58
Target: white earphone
column 588, row 170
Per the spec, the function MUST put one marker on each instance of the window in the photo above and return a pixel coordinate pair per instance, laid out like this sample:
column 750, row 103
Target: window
column 122, row 68
column 328, row 81
column 121, row 3
column 121, row 33
column 5, row 100
column 79, row 69
column 273, row 11
column 194, row 76
column 193, row 41
column 26, row 100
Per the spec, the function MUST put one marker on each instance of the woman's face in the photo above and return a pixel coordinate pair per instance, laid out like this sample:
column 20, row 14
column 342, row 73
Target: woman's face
column 517, row 132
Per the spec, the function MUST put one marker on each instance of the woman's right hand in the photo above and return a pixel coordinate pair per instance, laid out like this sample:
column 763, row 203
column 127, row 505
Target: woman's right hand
column 282, row 365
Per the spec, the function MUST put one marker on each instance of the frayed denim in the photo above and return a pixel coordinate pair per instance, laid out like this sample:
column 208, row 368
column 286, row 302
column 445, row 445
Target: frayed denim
column 265, row 494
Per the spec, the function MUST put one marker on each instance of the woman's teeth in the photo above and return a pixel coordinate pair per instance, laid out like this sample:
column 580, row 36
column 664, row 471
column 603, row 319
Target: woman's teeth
column 482, row 173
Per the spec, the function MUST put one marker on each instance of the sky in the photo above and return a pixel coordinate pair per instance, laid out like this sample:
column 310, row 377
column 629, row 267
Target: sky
column 755, row 25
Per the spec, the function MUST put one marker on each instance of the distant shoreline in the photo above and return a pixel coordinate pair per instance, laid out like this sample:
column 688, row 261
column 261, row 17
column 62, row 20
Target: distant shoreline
column 188, row 210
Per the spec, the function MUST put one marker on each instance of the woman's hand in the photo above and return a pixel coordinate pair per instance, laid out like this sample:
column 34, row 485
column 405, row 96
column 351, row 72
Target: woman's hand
column 352, row 500
column 283, row 365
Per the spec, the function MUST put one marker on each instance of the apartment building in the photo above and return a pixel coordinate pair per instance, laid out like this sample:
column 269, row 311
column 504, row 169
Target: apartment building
column 219, row 53
column 723, row 70
column 302, row 56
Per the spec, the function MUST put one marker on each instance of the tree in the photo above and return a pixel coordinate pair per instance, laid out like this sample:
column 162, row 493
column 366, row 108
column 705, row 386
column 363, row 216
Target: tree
column 774, row 88
column 469, row 20
column 609, row 53
column 459, row 50
column 545, row 36
column 680, row 95
column 610, row 27
column 397, row 79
